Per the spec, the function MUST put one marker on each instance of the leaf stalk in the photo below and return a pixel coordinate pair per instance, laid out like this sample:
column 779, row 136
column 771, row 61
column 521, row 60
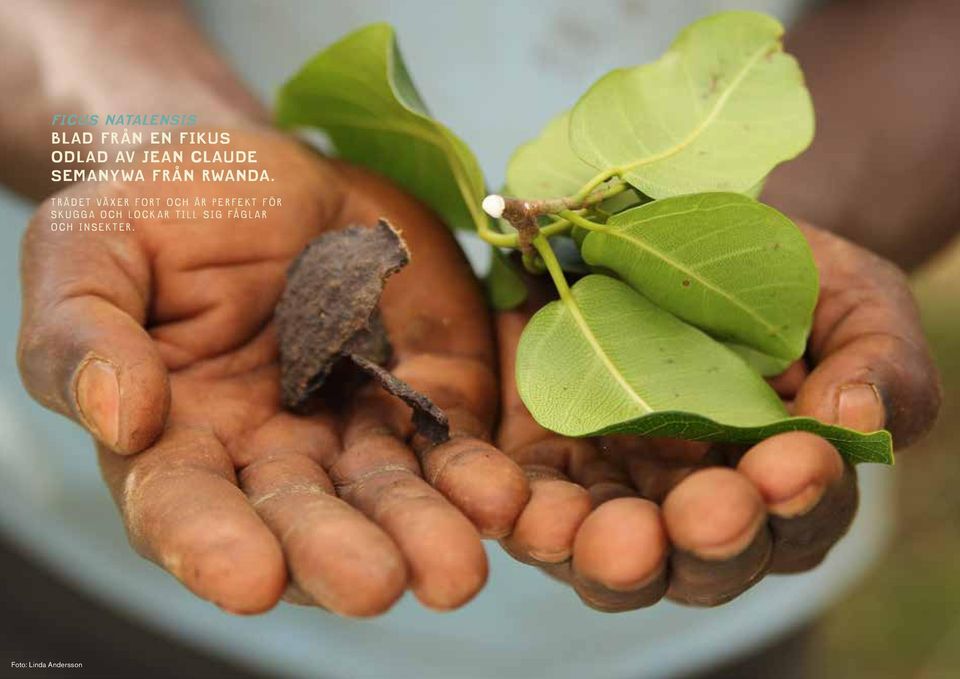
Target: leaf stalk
column 522, row 214
column 550, row 260
column 579, row 220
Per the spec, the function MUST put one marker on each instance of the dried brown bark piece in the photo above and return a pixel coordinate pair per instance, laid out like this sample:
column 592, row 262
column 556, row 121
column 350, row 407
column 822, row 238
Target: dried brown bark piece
column 428, row 419
column 328, row 311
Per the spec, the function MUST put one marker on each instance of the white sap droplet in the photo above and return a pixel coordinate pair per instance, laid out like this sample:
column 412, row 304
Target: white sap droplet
column 494, row 205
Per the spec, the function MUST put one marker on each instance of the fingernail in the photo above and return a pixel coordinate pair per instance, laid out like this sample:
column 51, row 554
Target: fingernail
column 98, row 399
column 860, row 408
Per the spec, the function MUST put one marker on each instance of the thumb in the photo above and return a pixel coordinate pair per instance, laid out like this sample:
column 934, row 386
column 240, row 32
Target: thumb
column 872, row 369
column 83, row 350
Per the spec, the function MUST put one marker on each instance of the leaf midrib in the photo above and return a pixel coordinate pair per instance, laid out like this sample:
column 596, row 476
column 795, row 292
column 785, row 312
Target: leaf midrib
column 429, row 137
column 695, row 133
column 437, row 138
column 774, row 331
column 581, row 322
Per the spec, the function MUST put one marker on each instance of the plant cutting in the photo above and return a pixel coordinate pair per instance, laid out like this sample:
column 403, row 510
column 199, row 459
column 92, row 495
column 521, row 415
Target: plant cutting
column 685, row 291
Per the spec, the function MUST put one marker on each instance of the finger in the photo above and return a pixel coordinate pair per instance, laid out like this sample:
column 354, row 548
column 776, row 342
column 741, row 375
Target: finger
column 788, row 383
column 438, row 323
column 810, row 494
column 530, row 445
column 605, row 478
column 716, row 520
column 545, row 531
column 618, row 551
column 546, row 528
column 620, row 556
column 183, row 510
column 474, row 476
column 656, row 465
column 379, row 475
column 337, row 557
column 486, row 485
column 873, row 367
column 82, row 350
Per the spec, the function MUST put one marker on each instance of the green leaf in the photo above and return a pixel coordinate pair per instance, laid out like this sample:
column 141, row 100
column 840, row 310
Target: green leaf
column 766, row 365
column 723, row 262
column 606, row 360
column 716, row 113
column 358, row 91
column 547, row 167
column 505, row 287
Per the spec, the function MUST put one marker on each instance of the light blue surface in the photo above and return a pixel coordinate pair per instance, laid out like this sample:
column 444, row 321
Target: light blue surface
column 53, row 504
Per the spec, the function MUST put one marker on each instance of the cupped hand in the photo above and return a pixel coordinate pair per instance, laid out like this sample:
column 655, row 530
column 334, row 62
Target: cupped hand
column 160, row 342
column 626, row 521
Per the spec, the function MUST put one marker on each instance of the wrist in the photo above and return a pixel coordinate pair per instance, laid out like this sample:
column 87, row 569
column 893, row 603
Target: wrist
column 155, row 62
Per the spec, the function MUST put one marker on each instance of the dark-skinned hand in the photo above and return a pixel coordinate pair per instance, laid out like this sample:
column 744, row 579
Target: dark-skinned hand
column 626, row 520
column 160, row 342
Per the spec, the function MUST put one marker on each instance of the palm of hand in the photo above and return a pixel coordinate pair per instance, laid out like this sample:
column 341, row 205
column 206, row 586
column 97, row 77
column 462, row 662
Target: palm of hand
column 231, row 494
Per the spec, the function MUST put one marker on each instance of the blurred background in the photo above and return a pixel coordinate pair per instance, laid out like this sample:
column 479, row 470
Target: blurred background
column 903, row 619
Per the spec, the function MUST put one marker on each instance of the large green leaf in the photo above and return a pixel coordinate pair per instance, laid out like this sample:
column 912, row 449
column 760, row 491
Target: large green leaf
column 723, row 262
column 547, row 167
column 607, row 360
column 716, row 113
column 358, row 91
